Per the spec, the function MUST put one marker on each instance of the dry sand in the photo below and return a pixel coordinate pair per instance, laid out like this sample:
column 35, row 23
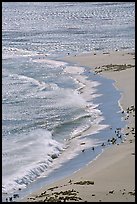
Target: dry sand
column 111, row 177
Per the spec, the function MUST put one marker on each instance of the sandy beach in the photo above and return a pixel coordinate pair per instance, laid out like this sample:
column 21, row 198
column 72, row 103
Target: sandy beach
column 111, row 177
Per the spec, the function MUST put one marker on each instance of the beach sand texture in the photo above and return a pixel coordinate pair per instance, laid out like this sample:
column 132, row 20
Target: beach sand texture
column 111, row 177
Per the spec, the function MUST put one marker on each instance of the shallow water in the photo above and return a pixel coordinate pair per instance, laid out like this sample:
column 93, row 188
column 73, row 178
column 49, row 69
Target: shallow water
column 45, row 115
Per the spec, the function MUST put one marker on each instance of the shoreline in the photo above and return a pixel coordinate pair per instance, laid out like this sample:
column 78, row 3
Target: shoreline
column 111, row 177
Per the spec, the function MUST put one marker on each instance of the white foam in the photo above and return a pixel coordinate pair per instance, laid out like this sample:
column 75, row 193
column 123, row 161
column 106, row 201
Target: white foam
column 74, row 69
column 73, row 148
column 38, row 147
column 12, row 52
column 50, row 62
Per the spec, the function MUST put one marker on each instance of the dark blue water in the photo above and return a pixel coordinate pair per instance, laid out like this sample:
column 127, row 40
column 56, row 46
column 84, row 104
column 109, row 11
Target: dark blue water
column 45, row 115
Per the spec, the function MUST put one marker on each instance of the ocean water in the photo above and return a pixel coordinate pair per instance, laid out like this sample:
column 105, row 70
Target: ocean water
column 50, row 107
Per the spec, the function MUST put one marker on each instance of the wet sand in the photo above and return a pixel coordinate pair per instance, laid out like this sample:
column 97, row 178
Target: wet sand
column 111, row 177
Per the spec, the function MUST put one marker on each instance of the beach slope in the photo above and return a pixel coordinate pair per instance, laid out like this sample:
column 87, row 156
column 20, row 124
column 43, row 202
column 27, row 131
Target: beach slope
column 111, row 177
